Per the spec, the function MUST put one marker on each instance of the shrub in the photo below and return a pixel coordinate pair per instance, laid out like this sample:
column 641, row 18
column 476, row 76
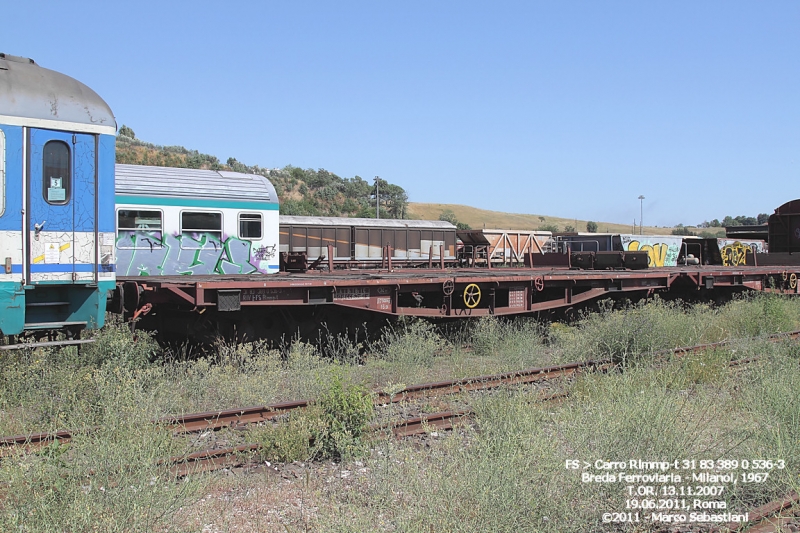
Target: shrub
column 345, row 410
column 333, row 426
column 413, row 342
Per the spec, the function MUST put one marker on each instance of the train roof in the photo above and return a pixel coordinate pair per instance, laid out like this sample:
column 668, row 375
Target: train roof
column 366, row 222
column 136, row 184
column 31, row 95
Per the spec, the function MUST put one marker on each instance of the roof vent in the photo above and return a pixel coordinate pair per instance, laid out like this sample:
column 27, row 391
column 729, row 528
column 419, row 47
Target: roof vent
column 17, row 59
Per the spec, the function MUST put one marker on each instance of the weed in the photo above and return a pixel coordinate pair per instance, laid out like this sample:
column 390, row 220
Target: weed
column 414, row 342
column 345, row 410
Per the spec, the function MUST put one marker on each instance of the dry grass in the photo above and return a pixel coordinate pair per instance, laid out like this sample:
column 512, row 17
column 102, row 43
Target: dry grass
column 506, row 475
column 480, row 218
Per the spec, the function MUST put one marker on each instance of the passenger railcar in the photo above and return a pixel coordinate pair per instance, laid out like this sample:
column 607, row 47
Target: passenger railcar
column 56, row 200
column 176, row 221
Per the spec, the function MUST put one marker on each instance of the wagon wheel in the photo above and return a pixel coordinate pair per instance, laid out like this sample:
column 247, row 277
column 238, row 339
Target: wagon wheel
column 792, row 280
column 784, row 275
column 538, row 283
column 448, row 287
column 472, row 295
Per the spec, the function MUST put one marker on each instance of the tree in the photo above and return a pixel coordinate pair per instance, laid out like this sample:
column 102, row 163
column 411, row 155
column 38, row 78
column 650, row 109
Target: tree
column 591, row 227
column 680, row 229
column 125, row 131
column 553, row 228
column 762, row 218
column 393, row 198
column 448, row 216
column 569, row 229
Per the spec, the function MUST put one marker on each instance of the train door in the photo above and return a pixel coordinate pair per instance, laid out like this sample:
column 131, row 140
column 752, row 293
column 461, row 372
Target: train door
column 62, row 208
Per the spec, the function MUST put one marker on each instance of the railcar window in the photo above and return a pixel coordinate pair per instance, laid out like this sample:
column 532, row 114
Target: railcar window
column 139, row 229
column 250, row 226
column 56, row 172
column 197, row 228
column 2, row 173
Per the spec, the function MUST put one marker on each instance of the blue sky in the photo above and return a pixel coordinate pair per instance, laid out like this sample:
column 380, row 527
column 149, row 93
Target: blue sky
column 569, row 109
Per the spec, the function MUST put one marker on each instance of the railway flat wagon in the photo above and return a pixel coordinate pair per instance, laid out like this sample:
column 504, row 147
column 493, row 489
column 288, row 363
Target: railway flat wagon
column 173, row 221
column 368, row 241
column 56, row 201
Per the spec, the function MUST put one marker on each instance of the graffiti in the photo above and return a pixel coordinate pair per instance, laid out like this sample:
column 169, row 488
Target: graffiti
column 734, row 253
column 661, row 251
column 264, row 253
column 142, row 253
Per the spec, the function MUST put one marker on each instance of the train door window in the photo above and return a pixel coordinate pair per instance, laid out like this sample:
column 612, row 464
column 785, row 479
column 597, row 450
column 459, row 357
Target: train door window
column 197, row 227
column 250, row 226
column 139, row 229
column 2, row 173
column 56, row 172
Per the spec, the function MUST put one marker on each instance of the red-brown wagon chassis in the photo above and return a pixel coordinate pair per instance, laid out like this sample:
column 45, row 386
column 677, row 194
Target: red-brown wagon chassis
column 446, row 293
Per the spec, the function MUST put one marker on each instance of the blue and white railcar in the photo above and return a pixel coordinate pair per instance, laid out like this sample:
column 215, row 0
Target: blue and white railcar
column 56, row 200
column 177, row 221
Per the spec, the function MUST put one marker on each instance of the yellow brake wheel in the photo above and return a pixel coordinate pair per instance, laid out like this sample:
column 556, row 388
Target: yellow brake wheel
column 472, row 295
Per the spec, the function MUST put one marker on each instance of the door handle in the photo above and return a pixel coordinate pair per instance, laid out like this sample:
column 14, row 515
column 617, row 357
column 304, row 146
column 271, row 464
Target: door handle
column 37, row 229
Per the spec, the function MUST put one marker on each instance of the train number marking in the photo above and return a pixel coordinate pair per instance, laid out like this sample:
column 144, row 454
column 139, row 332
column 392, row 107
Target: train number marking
column 352, row 293
column 516, row 297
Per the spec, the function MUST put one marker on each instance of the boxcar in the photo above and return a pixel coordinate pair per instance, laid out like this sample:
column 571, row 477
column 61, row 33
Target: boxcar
column 362, row 240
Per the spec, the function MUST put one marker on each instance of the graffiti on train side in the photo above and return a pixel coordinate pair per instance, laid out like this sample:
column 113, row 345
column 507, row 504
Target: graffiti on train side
column 734, row 253
column 149, row 254
column 661, row 251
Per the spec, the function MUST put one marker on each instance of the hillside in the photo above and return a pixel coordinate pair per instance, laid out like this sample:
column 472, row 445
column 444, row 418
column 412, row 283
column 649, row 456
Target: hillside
column 301, row 191
column 323, row 193
column 482, row 218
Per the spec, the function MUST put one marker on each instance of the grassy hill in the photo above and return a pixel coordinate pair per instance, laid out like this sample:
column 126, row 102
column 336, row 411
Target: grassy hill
column 482, row 218
column 320, row 192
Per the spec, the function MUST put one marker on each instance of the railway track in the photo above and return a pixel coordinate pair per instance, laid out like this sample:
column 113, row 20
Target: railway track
column 232, row 418
column 772, row 517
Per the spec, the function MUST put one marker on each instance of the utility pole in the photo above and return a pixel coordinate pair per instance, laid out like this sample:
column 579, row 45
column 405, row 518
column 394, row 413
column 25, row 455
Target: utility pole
column 641, row 211
column 377, row 197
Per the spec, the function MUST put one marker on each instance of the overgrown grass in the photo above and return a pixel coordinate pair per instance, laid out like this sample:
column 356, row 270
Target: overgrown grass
column 110, row 477
column 332, row 427
column 627, row 334
column 506, row 474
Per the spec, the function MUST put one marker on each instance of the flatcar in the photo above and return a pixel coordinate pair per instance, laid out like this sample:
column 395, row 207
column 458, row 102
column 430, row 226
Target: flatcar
column 173, row 221
column 56, row 201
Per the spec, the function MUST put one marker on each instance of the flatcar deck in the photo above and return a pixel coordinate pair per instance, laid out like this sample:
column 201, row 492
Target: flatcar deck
column 446, row 292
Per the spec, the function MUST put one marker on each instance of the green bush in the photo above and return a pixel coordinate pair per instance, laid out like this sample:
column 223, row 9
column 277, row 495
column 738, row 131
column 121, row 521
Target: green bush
column 333, row 426
column 345, row 410
column 414, row 342
column 115, row 345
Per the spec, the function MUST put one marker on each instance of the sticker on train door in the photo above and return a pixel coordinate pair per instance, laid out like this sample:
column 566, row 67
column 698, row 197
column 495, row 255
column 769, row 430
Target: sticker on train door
column 51, row 252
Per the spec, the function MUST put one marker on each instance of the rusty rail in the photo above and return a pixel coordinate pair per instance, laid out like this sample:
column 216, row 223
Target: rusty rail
column 762, row 518
column 215, row 420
